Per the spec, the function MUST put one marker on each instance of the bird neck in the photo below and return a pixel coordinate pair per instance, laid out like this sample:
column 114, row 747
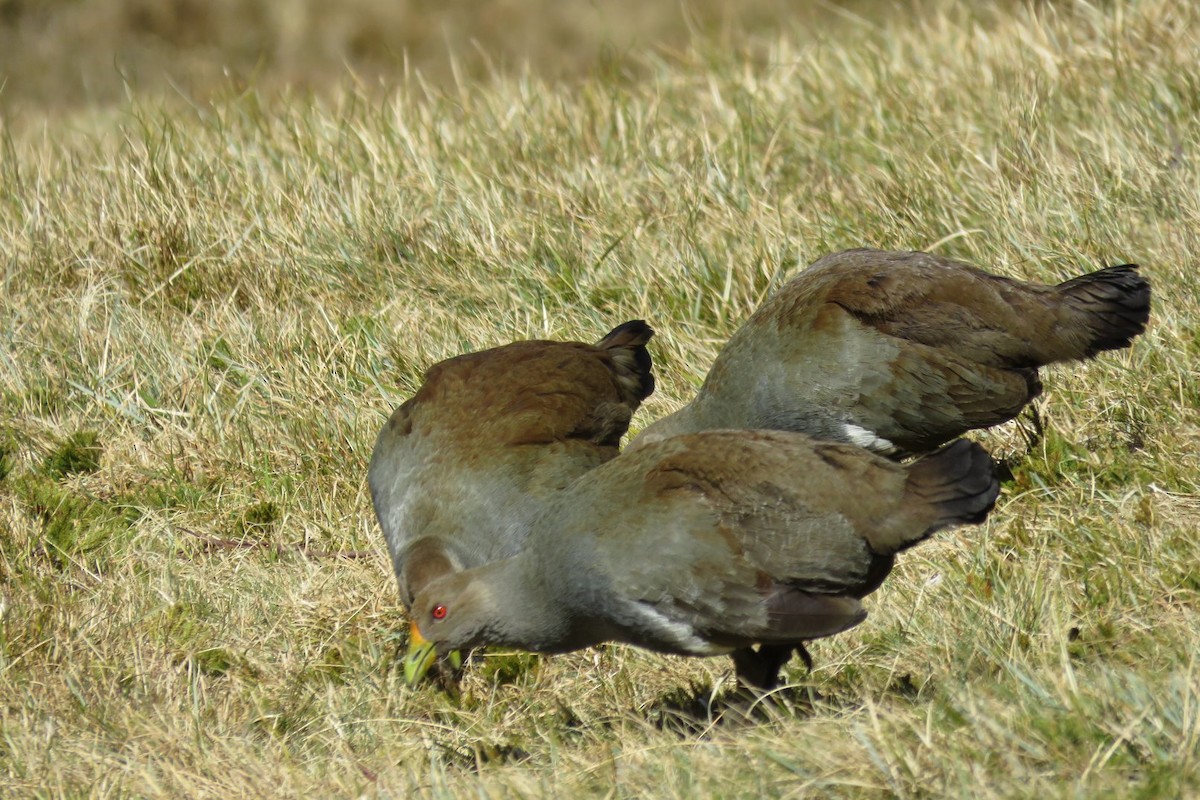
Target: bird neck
column 522, row 610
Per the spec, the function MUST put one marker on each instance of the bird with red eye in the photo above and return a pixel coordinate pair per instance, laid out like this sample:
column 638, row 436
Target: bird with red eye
column 463, row 466
column 761, row 538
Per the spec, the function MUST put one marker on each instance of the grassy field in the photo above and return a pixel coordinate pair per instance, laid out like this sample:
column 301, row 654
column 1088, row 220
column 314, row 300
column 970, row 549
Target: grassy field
column 62, row 53
column 212, row 299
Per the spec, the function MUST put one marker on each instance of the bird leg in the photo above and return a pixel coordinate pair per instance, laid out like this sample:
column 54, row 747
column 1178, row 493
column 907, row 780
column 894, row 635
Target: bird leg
column 760, row 668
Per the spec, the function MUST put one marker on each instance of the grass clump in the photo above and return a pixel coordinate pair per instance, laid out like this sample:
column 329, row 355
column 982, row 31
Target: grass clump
column 508, row 668
column 8, row 455
column 72, row 525
column 257, row 520
column 78, row 453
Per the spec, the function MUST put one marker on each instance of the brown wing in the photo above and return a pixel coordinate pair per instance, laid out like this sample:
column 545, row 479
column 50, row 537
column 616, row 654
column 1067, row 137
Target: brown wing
column 990, row 319
column 535, row 392
column 901, row 352
column 756, row 536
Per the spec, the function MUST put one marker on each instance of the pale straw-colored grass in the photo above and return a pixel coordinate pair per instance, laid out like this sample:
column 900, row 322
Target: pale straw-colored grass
column 226, row 298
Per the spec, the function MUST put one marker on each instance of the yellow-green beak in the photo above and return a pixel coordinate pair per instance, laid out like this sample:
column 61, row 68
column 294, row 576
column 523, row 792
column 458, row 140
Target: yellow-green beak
column 421, row 655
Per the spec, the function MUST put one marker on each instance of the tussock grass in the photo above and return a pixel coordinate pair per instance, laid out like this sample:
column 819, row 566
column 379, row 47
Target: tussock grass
column 210, row 307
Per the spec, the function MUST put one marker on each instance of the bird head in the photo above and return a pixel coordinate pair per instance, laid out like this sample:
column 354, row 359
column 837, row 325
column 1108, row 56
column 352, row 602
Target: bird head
column 447, row 616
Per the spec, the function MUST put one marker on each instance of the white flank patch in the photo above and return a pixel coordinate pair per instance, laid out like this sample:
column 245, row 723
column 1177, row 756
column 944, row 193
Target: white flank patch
column 678, row 634
column 865, row 438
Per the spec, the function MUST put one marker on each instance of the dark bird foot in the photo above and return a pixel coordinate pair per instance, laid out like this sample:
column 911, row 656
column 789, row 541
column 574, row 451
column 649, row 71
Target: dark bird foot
column 759, row 669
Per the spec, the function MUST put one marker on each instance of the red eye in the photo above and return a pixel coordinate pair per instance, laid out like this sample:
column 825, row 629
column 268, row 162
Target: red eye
column 439, row 612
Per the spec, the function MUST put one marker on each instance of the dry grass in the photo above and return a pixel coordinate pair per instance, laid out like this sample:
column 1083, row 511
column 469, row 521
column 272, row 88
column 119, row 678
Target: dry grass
column 62, row 53
column 209, row 308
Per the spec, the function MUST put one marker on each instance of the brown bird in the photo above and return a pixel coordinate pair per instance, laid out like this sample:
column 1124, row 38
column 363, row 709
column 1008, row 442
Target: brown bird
column 901, row 352
column 705, row 544
column 460, row 469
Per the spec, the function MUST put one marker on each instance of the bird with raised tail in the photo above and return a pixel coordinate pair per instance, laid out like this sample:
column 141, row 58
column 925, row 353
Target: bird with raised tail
column 705, row 544
column 900, row 352
column 460, row 470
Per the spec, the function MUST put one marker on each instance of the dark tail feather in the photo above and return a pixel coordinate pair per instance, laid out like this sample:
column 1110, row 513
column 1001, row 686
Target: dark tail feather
column 959, row 481
column 627, row 345
column 1117, row 301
